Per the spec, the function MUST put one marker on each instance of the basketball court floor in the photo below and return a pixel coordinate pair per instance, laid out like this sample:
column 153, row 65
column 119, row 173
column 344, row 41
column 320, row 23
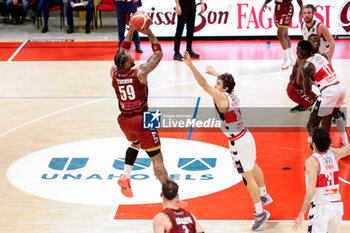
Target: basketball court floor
column 62, row 150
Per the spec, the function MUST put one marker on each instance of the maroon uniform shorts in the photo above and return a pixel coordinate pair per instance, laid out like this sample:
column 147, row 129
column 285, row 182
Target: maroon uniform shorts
column 283, row 14
column 298, row 95
column 132, row 127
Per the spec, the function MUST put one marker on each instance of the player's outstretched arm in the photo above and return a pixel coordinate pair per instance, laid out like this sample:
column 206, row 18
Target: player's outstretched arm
column 311, row 168
column 340, row 153
column 219, row 98
column 126, row 44
column 307, row 71
column 152, row 62
column 210, row 70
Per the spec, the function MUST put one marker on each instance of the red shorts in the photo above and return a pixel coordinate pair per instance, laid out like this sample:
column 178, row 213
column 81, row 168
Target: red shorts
column 298, row 95
column 283, row 15
column 132, row 127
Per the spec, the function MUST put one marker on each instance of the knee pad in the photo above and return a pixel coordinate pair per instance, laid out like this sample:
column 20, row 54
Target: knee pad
column 153, row 153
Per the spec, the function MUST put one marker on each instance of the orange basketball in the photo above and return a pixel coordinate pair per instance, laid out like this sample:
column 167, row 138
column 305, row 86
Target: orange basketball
column 141, row 20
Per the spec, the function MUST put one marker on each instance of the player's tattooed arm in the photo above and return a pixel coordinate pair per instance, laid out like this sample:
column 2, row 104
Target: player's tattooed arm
column 128, row 39
column 145, row 68
column 307, row 72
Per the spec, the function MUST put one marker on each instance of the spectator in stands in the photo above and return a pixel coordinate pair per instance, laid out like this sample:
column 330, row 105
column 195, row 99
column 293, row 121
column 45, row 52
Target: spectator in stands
column 45, row 5
column 124, row 8
column 18, row 12
column 87, row 5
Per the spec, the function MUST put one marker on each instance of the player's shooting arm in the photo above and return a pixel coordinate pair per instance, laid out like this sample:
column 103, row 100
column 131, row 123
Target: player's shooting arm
column 340, row 153
column 126, row 44
column 323, row 30
column 307, row 71
column 152, row 62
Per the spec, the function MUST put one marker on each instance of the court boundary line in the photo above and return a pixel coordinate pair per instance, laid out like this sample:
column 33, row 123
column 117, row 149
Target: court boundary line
column 345, row 222
column 17, row 51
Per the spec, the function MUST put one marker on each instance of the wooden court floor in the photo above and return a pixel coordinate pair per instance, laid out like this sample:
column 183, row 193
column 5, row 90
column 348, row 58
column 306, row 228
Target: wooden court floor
column 57, row 103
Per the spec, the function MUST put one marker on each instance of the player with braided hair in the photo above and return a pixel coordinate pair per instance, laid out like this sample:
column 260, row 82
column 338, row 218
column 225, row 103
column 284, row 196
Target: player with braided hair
column 131, row 88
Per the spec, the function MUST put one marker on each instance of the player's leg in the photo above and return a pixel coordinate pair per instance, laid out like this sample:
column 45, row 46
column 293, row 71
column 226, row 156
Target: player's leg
column 282, row 35
column 259, row 178
column 158, row 165
column 181, row 20
column 298, row 95
column 243, row 154
column 336, row 218
column 339, row 118
column 318, row 219
column 130, row 157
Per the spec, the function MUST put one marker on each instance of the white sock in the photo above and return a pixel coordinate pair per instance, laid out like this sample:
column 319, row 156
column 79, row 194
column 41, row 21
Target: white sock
column 127, row 170
column 286, row 54
column 341, row 128
column 290, row 54
column 258, row 208
column 262, row 191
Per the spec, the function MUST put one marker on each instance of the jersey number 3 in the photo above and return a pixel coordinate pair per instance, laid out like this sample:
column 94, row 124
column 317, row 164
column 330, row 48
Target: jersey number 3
column 127, row 92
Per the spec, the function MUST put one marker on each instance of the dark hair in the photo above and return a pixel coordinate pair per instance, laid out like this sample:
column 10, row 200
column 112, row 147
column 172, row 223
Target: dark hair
column 321, row 139
column 120, row 59
column 313, row 36
column 228, row 81
column 169, row 189
column 312, row 7
column 305, row 45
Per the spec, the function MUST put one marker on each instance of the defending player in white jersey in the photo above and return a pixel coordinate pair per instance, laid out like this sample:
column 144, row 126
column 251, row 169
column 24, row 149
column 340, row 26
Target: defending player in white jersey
column 322, row 191
column 241, row 141
column 311, row 26
column 318, row 71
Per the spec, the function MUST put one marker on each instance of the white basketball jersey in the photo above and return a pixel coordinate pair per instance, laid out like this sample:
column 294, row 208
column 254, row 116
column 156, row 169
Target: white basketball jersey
column 231, row 120
column 324, row 72
column 324, row 45
column 327, row 186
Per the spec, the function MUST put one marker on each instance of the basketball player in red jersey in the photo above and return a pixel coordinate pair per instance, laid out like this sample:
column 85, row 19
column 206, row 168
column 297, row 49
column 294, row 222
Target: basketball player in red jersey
column 318, row 71
column 311, row 26
column 173, row 219
column 295, row 88
column 322, row 189
column 241, row 141
column 131, row 88
column 283, row 14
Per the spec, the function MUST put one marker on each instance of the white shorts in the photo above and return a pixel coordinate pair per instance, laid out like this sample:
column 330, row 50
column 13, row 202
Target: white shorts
column 325, row 218
column 330, row 98
column 243, row 152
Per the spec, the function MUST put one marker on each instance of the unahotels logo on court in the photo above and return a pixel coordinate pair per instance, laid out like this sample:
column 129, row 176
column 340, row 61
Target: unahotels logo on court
column 156, row 120
column 86, row 172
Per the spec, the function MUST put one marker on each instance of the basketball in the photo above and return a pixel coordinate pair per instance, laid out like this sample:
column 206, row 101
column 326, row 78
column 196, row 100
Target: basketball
column 141, row 20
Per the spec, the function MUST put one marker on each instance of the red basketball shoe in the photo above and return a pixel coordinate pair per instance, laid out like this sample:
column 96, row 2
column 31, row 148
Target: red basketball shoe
column 124, row 183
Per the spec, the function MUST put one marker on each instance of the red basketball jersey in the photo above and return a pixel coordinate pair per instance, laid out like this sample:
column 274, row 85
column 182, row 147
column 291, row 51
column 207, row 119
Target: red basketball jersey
column 132, row 94
column 181, row 221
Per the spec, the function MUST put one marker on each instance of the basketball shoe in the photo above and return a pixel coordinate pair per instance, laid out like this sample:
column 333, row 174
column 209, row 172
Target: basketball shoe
column 260, row 220
column 286, row 63
column 124, row 183
column 266, row 199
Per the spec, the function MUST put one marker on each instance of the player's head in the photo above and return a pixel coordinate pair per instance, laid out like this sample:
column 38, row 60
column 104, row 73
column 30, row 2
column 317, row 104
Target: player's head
column 304, row 49
column 315, row 41
column 124, row 61
column 320, row 139
column 170, row 189
column 225, row 83
column 308, row 13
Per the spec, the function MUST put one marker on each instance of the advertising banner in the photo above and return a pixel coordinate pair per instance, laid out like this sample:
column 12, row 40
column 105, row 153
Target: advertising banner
column 226, row 18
